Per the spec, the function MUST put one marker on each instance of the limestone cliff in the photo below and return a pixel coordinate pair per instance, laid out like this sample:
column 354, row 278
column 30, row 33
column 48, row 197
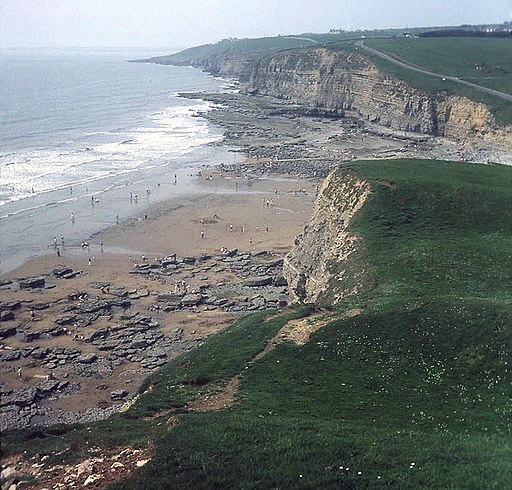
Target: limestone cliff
column 224, row 64
column 233, row 65
column 319, row 267
column 329, row 81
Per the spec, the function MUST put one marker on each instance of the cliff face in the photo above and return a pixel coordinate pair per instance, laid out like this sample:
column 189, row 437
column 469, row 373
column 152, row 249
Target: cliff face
column 329, row 82
column 235, row 65
column 320, row 264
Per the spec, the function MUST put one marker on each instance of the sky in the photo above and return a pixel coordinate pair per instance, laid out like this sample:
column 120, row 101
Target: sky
column 183, row 23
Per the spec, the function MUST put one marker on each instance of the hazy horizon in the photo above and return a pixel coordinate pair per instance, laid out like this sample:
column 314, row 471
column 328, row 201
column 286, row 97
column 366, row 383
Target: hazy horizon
column 178, row 24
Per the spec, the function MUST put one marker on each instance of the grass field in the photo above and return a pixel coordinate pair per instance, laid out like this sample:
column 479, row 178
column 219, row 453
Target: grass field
column 414, row 392
column 486, row 62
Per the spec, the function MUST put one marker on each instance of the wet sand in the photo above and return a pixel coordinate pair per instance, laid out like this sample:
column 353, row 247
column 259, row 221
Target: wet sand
column 233, row 212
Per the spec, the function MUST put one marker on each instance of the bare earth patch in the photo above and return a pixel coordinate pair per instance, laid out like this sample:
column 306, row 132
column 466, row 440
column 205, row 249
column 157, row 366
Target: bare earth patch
column 297, row 331
column 216, row 400
column 97, row 471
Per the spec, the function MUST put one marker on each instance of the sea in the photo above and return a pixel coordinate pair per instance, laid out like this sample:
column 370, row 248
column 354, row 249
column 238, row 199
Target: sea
column 83, row 131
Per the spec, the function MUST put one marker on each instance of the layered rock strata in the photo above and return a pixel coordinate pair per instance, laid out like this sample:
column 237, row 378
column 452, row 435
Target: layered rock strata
column 319, row 261
column 328, row 82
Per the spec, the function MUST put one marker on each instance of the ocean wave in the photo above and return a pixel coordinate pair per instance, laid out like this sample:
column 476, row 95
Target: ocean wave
column 166, row 134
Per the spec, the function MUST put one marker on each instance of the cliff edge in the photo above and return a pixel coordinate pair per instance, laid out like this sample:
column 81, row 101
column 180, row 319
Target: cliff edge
column 320, row 265
column 327, row 81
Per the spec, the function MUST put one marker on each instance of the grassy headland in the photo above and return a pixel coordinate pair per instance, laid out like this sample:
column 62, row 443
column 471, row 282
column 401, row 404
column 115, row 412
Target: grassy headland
column 486, row 62
column 413, row 392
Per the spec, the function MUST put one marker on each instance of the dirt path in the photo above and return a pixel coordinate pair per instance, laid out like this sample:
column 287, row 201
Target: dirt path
column 296, row 331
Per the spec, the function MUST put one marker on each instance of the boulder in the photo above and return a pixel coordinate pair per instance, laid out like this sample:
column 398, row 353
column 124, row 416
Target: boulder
column 171, row 297
column 188, row 260
column 31, row 336
column 118, row 394
column 40, row 306
column 32, row 283
column 283, row 300
column 87, row 358
column 280, row 280
column 10, row 305
column 61, row 271
column 12, row 355
column 192, row 299
column 25, row 397
column 7, row 332
column 66, row 320
column 6, row 315
column 258, row 281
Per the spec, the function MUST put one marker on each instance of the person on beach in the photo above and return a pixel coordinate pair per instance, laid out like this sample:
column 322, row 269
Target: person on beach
column 20, row 375
column 62, row 240
column 58, row 252
column 202, row 234
column 101, row 245
column 89, row 261
column 72, row 217
column 231, row 227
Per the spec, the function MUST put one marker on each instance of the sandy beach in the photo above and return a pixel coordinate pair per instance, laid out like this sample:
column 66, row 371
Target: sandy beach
column 77, row 341
column 256, row 219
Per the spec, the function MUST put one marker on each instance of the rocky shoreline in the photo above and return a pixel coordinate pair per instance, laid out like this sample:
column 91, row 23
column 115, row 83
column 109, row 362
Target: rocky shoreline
column 101, row 338
column 127, row 336
column 284, row 138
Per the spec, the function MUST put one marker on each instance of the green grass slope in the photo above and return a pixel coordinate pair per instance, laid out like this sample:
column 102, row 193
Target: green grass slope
column 248, row 48
column 486, row 62
column 412, row 393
